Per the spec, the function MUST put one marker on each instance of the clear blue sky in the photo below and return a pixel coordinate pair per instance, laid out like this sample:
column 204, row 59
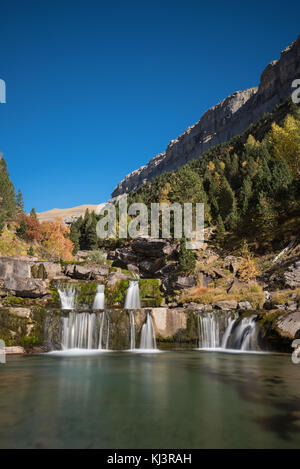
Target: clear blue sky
column 95, row 89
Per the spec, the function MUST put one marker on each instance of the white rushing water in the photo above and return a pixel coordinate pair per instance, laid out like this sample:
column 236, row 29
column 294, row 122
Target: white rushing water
column 86, row 331
column 225, row 332
column 148, row 341
column 67, row 295
column 132, row 300
column 99, row 301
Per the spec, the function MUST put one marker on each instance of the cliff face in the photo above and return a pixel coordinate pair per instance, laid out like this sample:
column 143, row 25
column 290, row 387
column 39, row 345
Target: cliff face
column 223, row 121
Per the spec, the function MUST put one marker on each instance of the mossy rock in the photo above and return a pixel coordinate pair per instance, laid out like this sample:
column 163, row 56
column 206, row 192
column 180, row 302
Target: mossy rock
column 115, row 296
column 150, row 293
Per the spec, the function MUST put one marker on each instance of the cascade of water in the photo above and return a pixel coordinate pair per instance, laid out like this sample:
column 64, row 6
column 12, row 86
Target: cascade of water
column 99, row 301
column 221, row 330
column 85, row 331
column 209, row 330
column 148, row 335
column 228, row 331
column 132, row 300
column 67, row 295
column 244, row 335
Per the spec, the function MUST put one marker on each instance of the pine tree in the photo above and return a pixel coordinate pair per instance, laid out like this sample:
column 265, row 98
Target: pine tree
column 220, row 231
column 21, row 231
column 245, row 194
column 74, row 237
column 33, row 213
column 187, row 261
column 7, row 193
column 20, row 202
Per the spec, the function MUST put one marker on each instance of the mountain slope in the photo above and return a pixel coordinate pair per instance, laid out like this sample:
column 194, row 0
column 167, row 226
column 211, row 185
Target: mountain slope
column 225, row 120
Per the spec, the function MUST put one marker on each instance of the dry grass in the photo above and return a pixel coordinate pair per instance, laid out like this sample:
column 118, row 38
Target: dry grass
column 252, row 292
column 11, row 245
column 285, row 296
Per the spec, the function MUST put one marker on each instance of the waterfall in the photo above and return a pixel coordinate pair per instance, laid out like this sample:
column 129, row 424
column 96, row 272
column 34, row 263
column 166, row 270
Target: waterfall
column 132, row 300
column 132, row 330
column 209, row 331
column 148, row 341
column 243, row 336
column 228, row 331
column 99, row 301
column 67, row 295
column 85, row 331
column 224, row 331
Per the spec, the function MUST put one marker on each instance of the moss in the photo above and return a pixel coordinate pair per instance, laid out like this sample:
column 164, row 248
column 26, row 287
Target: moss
column 86, row 292
column 115, row 296
column 150, row 292
column 15, row 301
column 189, row 335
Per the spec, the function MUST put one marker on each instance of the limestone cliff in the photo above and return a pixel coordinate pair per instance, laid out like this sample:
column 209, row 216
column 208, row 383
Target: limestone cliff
column 225, row 120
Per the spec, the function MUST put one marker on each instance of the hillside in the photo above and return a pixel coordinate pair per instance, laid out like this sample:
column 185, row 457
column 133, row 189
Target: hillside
column 227, row 119
column 68, row 214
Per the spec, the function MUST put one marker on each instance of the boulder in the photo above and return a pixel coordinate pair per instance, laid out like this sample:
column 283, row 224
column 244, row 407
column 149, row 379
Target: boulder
column 26, row 287
column 184, row 282
column 123, row 257
column 115, row 277
column 49, row 270
column 14, row 350
column 153, row 248
column 289, row 324
column 244, row 305
column 90, row 272
column 292, row 276
column 232, row 263
column 20, row 312
column 225, row 305
column 10, row 267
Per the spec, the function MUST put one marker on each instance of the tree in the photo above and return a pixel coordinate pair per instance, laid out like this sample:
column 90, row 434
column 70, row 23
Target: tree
column 7, row 193
column 20, row 202
column 187, row 261
column 220, row 231
column 285, row 142
column 74, row 237
column 21, row 231
column 245, row 194
column 55, row 239
column 33, row 213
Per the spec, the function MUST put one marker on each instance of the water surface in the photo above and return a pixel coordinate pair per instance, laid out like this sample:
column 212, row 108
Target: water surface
column 190, row 399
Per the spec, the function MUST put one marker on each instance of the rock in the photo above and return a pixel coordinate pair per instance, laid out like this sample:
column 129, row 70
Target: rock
column 151, row 266
column 236, row 286
column 167, row 322
column 153, row 248
column 223, row 121
column 123, row 257
column 49, row 270
column 11, row 267
column 278, row 306
column 225, row 305
column 184, row 282
column 115, row 277
column 20, row 312
column 292, row 276
column 289, row 324
column 204, row 279
column 292, row 307
column 218, row 273
column 232, row 263
column 133, row 268
column 26, row 287
column 69, row 270
column 244, row 305
column 90, row 271
column 14, row 350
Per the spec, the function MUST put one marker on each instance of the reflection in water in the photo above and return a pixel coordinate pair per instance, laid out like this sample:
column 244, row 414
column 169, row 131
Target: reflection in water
column 177, row 399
